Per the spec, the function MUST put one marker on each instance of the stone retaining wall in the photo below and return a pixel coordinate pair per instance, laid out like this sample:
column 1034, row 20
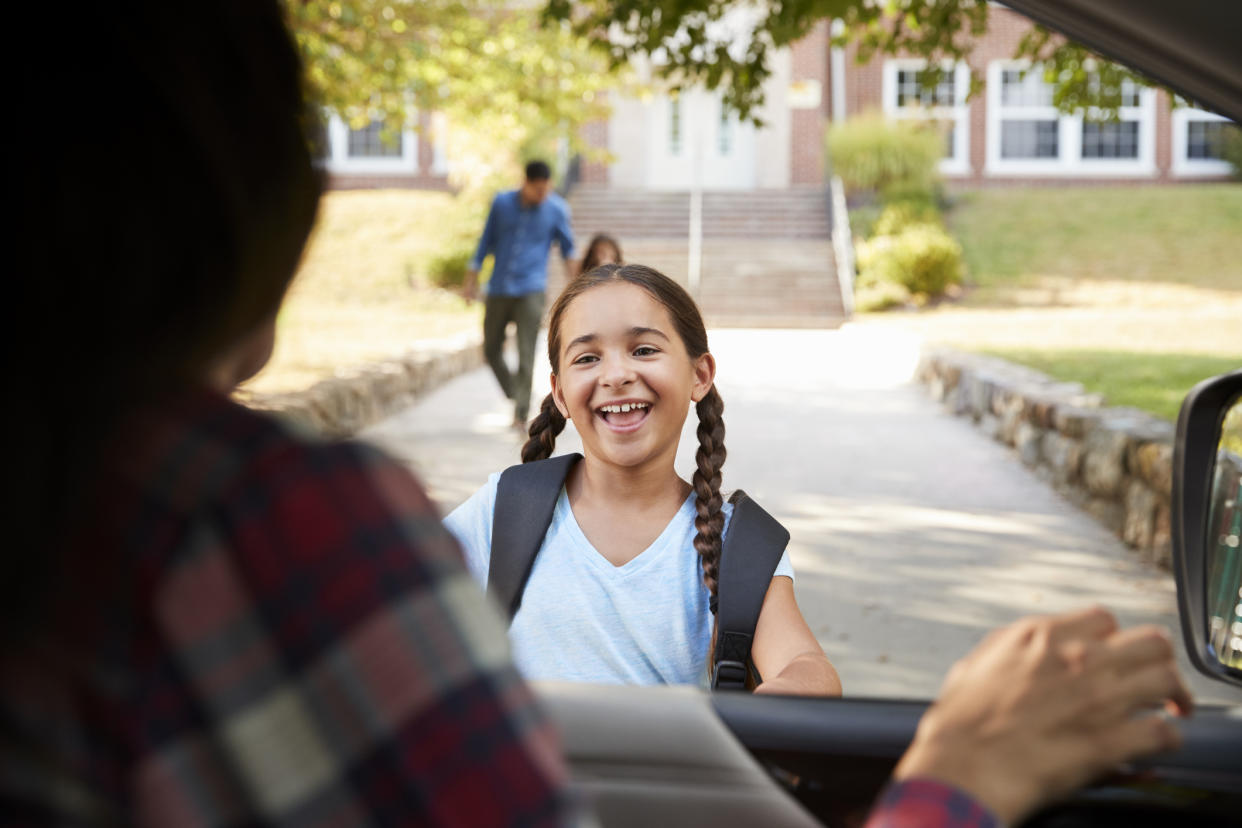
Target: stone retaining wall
column 1116, row 463
column 355, row 398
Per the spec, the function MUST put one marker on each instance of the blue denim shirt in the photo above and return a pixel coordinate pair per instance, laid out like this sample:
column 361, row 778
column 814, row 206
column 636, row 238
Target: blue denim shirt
column 520, row 238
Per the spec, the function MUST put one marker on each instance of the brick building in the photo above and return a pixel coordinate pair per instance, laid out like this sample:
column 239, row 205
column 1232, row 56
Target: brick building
column 1008, row 132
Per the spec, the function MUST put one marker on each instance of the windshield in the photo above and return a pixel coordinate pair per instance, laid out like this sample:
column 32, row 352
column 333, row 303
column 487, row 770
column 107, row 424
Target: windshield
column 953, row 381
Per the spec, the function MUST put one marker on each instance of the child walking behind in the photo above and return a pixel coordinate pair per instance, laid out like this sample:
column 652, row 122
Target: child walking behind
column 623, row 588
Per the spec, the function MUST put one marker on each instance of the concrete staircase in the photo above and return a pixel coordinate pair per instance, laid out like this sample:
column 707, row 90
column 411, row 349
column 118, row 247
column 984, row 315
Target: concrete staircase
column 767, row 254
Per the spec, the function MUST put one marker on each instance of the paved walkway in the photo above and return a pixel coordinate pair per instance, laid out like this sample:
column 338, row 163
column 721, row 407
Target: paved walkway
column 912, row 533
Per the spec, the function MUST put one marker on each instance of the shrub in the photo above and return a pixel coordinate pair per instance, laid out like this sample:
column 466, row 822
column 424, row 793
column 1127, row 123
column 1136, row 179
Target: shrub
column 892, row 159
column 447, row 269
column 923, row 259
column 899, row 215
column 459, row 231
column 1231, row 150
column 880, row 297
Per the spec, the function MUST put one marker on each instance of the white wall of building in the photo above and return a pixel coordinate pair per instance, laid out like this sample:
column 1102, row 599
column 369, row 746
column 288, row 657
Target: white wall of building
column 649, row 152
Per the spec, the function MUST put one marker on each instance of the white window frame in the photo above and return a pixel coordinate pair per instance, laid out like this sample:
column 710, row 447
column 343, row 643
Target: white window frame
column 1191, row 167
column 1069, row 136
column 959, row 162
column 338, row 160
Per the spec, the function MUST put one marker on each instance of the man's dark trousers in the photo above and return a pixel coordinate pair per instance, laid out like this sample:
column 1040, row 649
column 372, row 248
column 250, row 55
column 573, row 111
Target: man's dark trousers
column 527, row 312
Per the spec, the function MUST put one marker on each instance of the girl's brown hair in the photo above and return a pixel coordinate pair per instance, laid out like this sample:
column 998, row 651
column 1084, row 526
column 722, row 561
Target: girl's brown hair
column 710, row 457
column 590, row 259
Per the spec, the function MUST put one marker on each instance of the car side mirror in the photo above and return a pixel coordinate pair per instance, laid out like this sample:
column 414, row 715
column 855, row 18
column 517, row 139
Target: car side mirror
column 1207, row 525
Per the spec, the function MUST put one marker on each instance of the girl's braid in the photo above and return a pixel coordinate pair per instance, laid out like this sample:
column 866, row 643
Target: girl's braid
column 709, row 459
column 548, row 423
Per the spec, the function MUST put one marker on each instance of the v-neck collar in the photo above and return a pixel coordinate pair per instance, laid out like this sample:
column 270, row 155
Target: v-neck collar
column 639, row 561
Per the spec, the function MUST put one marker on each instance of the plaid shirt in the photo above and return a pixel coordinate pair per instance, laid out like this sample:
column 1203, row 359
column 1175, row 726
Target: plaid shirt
column 925, row 803
column 258, row 629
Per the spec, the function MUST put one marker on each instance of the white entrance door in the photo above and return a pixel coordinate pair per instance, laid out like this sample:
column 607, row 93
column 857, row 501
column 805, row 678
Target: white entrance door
column 690, row 136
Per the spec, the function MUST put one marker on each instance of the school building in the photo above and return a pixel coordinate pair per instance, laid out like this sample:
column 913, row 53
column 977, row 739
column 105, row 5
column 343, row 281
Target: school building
column 1009, row 132
column 765, row 253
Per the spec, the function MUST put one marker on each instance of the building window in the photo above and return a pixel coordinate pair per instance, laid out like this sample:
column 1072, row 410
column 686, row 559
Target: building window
column 912, row 92
column 943, row 104
column 1198, row 141
column 1030, row 139
column 1206, row 139
column 372, row 142
column 674, row 126
column 369, row 150
column 1027, row 135
column 1105, row 139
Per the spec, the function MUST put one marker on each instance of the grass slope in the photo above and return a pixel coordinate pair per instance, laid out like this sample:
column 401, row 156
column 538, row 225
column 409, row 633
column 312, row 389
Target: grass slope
column 358, row 296
column 1186, row 234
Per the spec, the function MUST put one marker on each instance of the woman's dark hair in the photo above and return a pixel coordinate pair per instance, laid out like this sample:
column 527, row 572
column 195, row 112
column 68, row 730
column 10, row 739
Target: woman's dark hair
column 710, row 457
column 590, row 260
column 159, row 224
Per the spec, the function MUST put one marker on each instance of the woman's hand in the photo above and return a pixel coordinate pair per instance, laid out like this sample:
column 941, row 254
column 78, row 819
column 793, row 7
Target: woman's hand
column 1044, row 706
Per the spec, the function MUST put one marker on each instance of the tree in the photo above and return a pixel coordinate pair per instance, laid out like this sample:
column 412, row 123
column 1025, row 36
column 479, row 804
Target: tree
column 727, row 44
column 507, row 85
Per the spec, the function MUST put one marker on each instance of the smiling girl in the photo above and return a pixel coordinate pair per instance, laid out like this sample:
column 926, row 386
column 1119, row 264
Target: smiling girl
column 623, row 586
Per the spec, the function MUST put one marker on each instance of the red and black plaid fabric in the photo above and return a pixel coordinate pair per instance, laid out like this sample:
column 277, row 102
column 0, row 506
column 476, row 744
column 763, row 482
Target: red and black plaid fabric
column 259, row 629
column 925, row 803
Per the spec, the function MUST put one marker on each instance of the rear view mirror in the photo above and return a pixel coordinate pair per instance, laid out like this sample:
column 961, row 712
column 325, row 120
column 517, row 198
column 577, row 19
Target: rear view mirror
column 1207, row 530
column 1224, row 558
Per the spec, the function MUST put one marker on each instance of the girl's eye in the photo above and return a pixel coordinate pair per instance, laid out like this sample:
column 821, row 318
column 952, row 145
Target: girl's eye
column 585, row 358
column 645, row 350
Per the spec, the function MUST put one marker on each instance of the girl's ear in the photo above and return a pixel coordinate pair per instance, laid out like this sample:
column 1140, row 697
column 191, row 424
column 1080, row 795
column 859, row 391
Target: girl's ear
column 558, row 397
column 704, row 376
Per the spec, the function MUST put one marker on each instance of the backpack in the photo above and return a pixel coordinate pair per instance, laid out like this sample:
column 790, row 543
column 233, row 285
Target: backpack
column 525, row 500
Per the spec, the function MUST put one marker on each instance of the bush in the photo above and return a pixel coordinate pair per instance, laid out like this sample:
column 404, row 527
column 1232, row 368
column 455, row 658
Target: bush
column 899, row 215
column 447, row 269
column 880, row 297
column 460, row 227
column 923, row 259
column 1232, row 150
column 892, row 159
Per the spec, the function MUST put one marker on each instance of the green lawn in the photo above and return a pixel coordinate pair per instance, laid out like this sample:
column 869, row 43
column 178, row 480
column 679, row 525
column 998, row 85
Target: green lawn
column 1156, row 383
column 1186, row 234
column 1134, row 291
column 359, row 296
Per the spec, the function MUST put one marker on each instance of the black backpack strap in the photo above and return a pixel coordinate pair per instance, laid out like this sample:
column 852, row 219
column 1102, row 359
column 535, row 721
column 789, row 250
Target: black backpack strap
column 526, row 497
column 752, row 548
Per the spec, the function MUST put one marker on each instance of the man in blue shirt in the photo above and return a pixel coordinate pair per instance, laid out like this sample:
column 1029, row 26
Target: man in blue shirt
column 521, row 227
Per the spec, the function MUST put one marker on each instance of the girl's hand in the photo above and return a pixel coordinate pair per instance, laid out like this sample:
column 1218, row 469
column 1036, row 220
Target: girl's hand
column 1044, row 706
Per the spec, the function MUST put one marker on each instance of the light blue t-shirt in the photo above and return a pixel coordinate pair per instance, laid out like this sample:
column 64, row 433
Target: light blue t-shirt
column 583, row 619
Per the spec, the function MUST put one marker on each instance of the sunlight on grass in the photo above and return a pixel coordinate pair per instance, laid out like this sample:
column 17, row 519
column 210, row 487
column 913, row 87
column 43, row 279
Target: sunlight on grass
column 1185, row 234
column 359, row 295
column 1156, row 383
column 1134, row 291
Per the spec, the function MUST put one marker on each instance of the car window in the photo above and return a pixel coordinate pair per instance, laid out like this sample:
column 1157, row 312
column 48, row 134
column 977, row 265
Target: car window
column 961, row 411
